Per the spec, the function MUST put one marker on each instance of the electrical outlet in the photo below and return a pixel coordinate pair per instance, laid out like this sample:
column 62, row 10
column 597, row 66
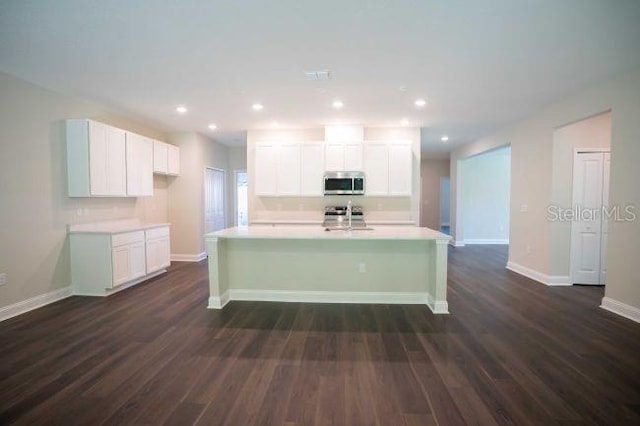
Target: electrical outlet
column 362, row 267
column 78, row 212
column 524, row 208
column 528, row 249
column 3, row 278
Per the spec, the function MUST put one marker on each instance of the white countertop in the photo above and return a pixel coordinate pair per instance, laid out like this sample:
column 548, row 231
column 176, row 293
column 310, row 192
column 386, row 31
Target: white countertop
column 302, row 232
column 113, row 227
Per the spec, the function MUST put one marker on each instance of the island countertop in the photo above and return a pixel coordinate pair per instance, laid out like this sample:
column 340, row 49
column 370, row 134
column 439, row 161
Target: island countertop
column 310, row 232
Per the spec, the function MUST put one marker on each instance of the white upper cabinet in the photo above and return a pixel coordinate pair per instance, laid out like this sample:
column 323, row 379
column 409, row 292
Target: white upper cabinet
column 288, row 169
column 311, row 168
column 266, row 162
column 95, row 159
column 388, row 168
column 160, row 157
column 376, row 168
column 400, row 168
column 343, row 157
column 166, row 159
column 139, row 151
column 173, row 160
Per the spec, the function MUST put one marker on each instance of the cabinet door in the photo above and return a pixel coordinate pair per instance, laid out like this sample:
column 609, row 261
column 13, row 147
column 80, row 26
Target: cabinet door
column 266, row 163
column 164, row 252
column 400, row 168
column 311, row 168
column 288, row 170
column 334, row 157
column 173, row 160
column 106, row 160
column 137, row 260
column 153, row 256
column 353, row 157
column 376, row 168
column 139, row 165
column 121, row 267
column 160, row 157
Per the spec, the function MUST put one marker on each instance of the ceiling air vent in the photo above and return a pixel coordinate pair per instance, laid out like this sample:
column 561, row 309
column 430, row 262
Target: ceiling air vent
column 317, row 75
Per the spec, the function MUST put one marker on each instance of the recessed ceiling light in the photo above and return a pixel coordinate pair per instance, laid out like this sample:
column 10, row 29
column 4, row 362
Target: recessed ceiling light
column 257, row 107
column 444, row 138
column 420, row 103
column 181, row 109
column 404, row 122
column 337, row 104
column 212, row 126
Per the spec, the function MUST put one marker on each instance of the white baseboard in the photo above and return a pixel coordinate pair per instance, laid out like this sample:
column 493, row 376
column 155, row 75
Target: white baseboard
column 486, row 241
column 444, row 224
column 404, row 298
column 622, row 309
column 11, row 311
column 188, row 257
column 456, row 243
column 550, row 280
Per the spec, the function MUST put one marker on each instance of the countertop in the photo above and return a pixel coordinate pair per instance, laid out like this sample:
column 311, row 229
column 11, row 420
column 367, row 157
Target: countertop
column 302, row 232
column 113, row 227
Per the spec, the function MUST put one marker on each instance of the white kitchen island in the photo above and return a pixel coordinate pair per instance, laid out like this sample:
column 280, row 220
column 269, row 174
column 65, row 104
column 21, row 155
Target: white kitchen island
column 305, row 263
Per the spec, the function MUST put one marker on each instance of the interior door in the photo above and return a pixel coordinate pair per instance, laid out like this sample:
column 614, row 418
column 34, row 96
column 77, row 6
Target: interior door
column 214, row 200
column 606, row 167
column 586, row 229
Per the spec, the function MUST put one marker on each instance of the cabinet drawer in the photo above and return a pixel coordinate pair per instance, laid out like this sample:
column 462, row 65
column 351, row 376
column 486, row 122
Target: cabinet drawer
column 157, row 233
column 127, row 238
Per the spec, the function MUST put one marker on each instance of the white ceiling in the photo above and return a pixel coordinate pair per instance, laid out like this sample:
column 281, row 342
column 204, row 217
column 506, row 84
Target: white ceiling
column 479, row 64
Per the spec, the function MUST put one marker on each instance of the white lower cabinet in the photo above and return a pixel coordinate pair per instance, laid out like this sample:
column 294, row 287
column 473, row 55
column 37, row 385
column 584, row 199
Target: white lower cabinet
column 102, row 263
column 158, row 249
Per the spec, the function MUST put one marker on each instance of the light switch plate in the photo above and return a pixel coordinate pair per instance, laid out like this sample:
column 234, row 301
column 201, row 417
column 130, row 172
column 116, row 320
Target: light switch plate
column 3, row 278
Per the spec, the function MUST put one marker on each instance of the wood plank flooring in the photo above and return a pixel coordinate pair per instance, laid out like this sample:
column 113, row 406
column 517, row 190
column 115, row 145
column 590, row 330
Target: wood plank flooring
column 512, row 351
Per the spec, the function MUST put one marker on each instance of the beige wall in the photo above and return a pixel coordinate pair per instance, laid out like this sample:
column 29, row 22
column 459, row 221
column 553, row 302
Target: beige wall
column 377, row 209
column 594, row 132
column 186, row 194
column 432, row 171
column 34, row 207
column 237, row 162
column 532, row 150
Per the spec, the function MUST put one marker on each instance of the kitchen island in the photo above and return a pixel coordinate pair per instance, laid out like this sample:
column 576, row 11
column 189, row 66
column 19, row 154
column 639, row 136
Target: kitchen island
column 306, row 263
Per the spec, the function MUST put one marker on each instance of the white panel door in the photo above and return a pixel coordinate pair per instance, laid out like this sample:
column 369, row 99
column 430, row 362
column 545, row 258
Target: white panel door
column 311, row 168
column 121, row 268
column 353, row 157
column 400, row 169
column 266, row 164
column 586, row 229
column 376, row 168
column 288, row 170
column 214, row 200
column 334, row 157
column 137, row 260
column 116, row 168
column 160, row 157
column 606, row 168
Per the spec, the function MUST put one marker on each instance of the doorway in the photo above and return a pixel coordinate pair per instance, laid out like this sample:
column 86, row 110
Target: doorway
column 214, row 200
column 590, row 228
column 444, row 204
column 241, row 198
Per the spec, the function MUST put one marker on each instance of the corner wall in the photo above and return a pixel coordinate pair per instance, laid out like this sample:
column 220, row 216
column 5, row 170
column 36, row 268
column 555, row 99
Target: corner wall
column 432, row 171
column 531, row 184
column 34, row 207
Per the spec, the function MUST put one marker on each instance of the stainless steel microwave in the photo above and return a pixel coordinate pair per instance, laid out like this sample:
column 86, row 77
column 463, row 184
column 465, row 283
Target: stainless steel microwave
column 344, row 183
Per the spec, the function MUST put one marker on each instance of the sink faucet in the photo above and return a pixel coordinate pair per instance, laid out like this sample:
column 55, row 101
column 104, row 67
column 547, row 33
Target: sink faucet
column 349, row 211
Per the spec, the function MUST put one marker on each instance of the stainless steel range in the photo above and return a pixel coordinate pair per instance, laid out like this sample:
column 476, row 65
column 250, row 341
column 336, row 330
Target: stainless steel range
column 344, row 217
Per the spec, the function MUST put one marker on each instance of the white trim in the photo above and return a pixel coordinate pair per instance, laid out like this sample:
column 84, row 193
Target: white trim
column 445, row 224
column 36, row 302
column 188, row 257
column 404, row 298
column 456, row 243
column 487, row 241
column 549, row 280
column 622, row 309
column 219, row 302
column 110, row 291
column 437, row 307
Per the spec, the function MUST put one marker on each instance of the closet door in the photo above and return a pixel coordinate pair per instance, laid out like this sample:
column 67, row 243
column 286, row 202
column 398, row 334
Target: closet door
column 586, row 229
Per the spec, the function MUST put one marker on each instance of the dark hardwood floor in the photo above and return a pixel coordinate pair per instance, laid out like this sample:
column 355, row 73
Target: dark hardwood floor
column 512, row 352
